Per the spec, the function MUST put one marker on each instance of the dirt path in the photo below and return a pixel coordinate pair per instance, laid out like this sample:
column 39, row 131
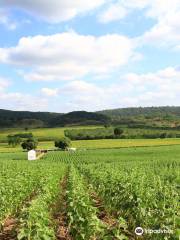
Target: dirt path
column 60, row 214
column 110, row 222
column 11, row 223
column 9, row 229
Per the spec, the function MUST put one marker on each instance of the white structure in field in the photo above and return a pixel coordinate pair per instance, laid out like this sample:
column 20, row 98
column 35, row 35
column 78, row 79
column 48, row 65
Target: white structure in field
column 71, row 149
column 32, row 155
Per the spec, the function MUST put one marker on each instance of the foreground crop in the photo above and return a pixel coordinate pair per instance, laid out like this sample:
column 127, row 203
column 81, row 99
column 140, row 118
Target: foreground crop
column 106, row 194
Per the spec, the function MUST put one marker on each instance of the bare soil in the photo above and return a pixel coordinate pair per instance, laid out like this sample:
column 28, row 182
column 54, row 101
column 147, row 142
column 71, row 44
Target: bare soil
column 109, row 220
column 11, row 224
column 60, row 214
column 9, row 229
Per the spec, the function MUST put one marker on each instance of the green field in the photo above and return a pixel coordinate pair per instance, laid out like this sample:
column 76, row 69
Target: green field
column 94, row 194
column 50, row 134
column 42, row 134
column 121, row 143
column 103, row 143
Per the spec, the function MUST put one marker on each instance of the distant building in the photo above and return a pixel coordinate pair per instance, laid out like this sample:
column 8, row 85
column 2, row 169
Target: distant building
column 71, row 149
column 32, row 155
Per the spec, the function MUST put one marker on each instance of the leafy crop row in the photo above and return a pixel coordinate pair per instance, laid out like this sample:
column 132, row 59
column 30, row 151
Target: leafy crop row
column 142, row 195
column 16, row 185
column 35, row 221
column 82, row 218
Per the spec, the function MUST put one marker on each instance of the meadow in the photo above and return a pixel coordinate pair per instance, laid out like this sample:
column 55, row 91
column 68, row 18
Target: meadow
column 50, row 134
column 42, row 134
column 93, row 194
column 101, row 144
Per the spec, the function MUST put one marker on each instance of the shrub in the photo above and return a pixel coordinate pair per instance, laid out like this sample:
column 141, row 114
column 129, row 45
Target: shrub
column 163, row 135
column 13, row 140
column 29, row 144
column 24, row 135
column 118, row 131
column 63, row 143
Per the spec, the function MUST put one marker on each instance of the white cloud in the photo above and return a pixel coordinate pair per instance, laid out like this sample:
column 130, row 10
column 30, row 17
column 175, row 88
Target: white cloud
column 170, row 74
column 53, row 11
column 81, row 95
column 4, row 83
column 19, row 101
column 131, row 90
column 114, row 12
column 151, row 89
column 165, row 33
column 165, row 13
column 119, row 9
column 159, row 88
column 22, row 102
column 49, row 92
column 69, row 56
column 6, row 21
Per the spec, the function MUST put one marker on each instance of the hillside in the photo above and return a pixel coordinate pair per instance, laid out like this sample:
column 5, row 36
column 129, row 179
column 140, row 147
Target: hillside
column 80, row 118
column 163, row 112
column 46, row 119
column 152, row 116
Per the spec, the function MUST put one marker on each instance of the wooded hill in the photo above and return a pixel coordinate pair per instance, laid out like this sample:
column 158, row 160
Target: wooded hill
column 27, row 119
column 147, row 117
column 129, row 116
column 143, row 112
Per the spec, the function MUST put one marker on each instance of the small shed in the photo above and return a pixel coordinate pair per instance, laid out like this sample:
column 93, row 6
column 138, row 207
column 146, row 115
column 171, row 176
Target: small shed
column 71, row 149
column 32, row 155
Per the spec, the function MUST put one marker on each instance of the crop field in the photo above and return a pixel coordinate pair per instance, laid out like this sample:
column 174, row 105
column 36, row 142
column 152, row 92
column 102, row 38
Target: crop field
column 123, row 143
column 50, row 134
column 101, row 144
column 94, row 194
column 42, row 134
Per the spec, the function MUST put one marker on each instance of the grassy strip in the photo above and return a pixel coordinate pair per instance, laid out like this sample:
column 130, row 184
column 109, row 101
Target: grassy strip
column 139, row 195
column 59, row 213
column 123, row 143
column 82, row 216
column 36, row 222
column 99, row 144
column 114, row 228
column 15, row 189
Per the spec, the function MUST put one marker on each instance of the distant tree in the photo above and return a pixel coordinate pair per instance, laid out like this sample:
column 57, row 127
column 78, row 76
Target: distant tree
column 13, row 140
column 63, row 143
column 24, row 135
column 29, row 144
column 31, row 123
column 107, row 125
column 163, row 135
column 118, row 131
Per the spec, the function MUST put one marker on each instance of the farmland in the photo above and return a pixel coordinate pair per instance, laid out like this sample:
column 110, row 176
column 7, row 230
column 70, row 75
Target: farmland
column 42, row 134
column 101, row 144
column 49, row 134
column 93, row 194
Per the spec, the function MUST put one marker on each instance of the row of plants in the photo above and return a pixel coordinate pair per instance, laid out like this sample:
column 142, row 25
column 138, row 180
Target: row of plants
column 139, row 187
column 82, row 216
column 35, row 219
column 118, row 133
column 83, row 220
column 15, row 139
column 17, row 183
column 143, row 194
column 27, row 190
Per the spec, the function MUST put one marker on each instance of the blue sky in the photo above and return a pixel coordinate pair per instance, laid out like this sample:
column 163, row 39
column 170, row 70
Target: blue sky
column 71, row 55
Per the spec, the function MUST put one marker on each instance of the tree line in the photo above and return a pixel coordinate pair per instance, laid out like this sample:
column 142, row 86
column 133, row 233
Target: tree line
column 117, row 133
column 28, row 142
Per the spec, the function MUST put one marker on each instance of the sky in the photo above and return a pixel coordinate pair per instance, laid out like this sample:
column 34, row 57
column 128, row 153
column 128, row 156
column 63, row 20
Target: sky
column 66, row 55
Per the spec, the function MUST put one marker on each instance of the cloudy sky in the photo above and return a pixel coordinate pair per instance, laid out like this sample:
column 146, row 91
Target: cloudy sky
column 65, row 55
